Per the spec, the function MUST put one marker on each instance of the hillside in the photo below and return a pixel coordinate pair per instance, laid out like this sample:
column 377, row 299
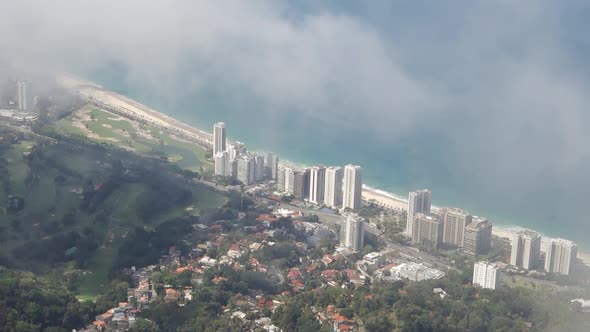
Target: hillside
column 73, row 203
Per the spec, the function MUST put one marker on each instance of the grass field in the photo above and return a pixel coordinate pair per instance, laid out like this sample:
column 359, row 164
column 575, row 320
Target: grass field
column 109, row 128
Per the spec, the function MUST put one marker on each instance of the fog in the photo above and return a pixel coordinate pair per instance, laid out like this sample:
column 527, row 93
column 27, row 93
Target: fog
column 505, row 82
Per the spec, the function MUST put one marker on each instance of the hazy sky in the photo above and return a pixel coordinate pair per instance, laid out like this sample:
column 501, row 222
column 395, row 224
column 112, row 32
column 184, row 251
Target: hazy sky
column 506, row 82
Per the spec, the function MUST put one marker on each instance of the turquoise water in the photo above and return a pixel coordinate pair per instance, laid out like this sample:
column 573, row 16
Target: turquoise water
column 418, row 161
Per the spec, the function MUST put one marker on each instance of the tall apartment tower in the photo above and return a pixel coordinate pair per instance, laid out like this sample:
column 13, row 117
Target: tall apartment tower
column 272, row 166
column 22, row 95
column 333, row 187
column 301, row 188
column 560, row 256
column 478, row 237
column 218, row 137
column 352, row 232
column 429, row 230
column 526, row 247
column 222, row 164
column 281, row 179
column 289, row 180
column 246, row 169
column 317, row 181
column 454, row 223
column 352, row 187
column 486, row 275
column 418, row 201
column 259, row 168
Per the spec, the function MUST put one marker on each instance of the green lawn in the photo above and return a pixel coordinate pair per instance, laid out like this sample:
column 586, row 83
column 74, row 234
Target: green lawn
column 92, row 282
column 185, row 155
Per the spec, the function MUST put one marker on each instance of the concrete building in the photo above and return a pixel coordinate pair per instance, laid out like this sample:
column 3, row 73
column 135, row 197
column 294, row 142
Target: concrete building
column 218, row 137
column 560, row 256
column 22, row 95
column 258, row 168
column 333, row 191
column 526, row 247
column 352, row 232
column 478, row 236
column 289, row 180
column 486, row 275
column 454, row 223
column 272, row 166
column 429, row 230
column 418, row 201
column 352, row 188
column 317, row 181
column 301, row 188
column 246, row 169
column 281, row 178
column 222, row 165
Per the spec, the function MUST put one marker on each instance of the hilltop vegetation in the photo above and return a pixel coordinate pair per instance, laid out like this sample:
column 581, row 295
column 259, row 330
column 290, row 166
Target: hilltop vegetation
column 73, row 203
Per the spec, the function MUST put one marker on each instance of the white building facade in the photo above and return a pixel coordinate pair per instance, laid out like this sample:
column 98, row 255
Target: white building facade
column 418, row 201
column 333, row 187
column 486, row 275
column 219, row 138
column 352, row 188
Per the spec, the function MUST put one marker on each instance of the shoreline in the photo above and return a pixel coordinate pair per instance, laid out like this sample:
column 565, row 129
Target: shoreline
column 103, row 97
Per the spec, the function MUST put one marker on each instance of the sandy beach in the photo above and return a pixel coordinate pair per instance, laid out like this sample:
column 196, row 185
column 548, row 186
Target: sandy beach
column 98, row 95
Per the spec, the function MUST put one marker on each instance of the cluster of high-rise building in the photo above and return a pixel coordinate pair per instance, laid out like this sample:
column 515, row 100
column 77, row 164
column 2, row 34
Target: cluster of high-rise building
column 233, row 160
column 449, row 226
column 334, row 186
column 560, row 254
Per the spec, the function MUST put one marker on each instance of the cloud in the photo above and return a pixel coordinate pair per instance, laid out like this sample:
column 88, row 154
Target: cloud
column 500, row 82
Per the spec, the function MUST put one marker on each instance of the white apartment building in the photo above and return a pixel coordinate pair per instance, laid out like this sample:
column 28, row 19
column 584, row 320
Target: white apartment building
column 218, row 137
column 418, row 201
column 333, row 187
column 352, row 187
column 526, row 247
column 352, row 232
column 560, row 256
column 317, row 182
column 486, row 275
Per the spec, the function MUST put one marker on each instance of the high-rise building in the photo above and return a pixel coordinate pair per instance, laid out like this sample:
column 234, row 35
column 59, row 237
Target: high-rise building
column 478, row 237
column 289, row 180
column 352, row 188
column 246, row 169
column 222, row 165
column 259, row 168
column 454, row 223
column 272, row 166
column 333, row 187
column 418, row 201
column 352, row 232
column 526, row 247
column 236, row 149
column 301, row 188
column 560, row 256
column 281, row 179
column 429, row 230
column 316, row 184
column 218, row 137
column 22, row 95
column 486, row 275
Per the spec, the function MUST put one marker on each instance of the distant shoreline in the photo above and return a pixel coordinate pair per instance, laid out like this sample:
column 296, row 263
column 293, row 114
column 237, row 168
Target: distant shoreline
column 139, row 111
